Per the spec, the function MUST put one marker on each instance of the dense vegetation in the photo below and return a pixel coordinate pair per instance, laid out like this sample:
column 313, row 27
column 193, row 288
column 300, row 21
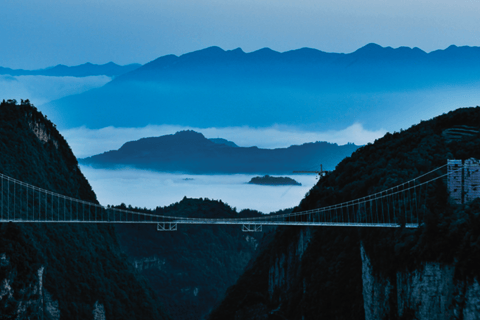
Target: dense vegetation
column 82, row 264
column 274, row 181
column 191, row 268
column 327, row 283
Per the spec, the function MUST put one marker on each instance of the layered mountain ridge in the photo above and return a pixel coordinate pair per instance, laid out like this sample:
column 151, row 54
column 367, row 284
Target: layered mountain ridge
column 382, row 88
column 84, row 70
column 191, row 152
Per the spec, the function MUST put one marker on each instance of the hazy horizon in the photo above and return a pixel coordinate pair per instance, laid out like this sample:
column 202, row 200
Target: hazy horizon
column 82, row 62
column 124, row 32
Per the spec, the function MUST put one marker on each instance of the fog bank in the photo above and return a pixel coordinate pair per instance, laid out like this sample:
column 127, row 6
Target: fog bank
column 142, row 188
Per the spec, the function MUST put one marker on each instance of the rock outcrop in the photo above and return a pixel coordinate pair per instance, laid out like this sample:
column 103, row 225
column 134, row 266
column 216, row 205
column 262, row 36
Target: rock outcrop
column 429, row 292
column 286, row 266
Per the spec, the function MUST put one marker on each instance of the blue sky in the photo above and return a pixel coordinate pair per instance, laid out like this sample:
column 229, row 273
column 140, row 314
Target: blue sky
column 36, row 34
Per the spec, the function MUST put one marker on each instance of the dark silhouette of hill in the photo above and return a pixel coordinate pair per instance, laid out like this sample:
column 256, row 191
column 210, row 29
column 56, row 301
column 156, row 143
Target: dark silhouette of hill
column 274, row 181
column 319, row 273
column 84, row 70
column 62, row 270
column 189, row 151
column 223, row 141
column 377, row 86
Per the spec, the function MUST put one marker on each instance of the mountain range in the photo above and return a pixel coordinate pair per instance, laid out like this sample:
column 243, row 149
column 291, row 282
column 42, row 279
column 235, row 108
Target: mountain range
column 191, row 152
column 307, row 88
column 84, row 70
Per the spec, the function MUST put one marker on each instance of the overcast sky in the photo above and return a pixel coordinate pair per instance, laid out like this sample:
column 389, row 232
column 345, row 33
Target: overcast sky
column 36, row 34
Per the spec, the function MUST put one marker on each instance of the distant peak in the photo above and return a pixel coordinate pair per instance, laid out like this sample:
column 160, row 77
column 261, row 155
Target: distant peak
column 206, row 52
column 371, row 47
column 265, row 51
column 305, row 50
column 460, row 48
column 237, row 50
column 188, row 134
column 417, row 49
column 212, row 49
column 375, row 51
column 452, row 47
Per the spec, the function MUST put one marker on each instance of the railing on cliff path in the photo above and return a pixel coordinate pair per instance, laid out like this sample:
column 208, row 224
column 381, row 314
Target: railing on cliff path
column 402, row 205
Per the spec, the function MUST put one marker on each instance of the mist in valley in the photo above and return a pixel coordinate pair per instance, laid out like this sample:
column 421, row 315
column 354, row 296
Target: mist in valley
column 42, row 89
column 143, row 188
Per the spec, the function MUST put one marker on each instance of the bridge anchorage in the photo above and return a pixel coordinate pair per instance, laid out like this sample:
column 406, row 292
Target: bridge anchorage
column 398, row 206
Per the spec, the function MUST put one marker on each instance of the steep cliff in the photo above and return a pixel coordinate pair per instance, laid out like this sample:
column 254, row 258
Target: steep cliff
column 431, row 291
column 58, row 271
column 347, row 273
column 295, row 277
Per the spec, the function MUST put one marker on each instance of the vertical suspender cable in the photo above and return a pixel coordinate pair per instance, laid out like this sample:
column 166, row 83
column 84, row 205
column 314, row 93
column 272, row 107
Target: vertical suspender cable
column 383, row 213
column 405, row 204
column 414, row 200
column 26, row 211
column 2, row 198
column 394, row 210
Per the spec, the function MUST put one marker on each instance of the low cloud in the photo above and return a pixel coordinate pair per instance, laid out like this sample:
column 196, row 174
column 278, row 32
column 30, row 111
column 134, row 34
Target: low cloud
column 42, row 89
column 143, row 188
column 87, row 142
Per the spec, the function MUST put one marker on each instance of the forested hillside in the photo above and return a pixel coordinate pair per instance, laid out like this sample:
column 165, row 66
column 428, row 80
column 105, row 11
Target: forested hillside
column 191, row 268
column 320, row 272
column 67, row 271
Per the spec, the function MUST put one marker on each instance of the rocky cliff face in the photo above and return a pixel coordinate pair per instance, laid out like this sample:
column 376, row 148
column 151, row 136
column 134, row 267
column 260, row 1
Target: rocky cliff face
column 141, row 264
column 286, row 267
column 41, row 131
column 430, row 292
column 98, row 311
column 36, row 300
column 274, row 285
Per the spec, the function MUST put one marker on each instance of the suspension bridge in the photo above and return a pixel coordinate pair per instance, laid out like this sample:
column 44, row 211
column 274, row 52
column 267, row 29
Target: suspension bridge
column 401, row 205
